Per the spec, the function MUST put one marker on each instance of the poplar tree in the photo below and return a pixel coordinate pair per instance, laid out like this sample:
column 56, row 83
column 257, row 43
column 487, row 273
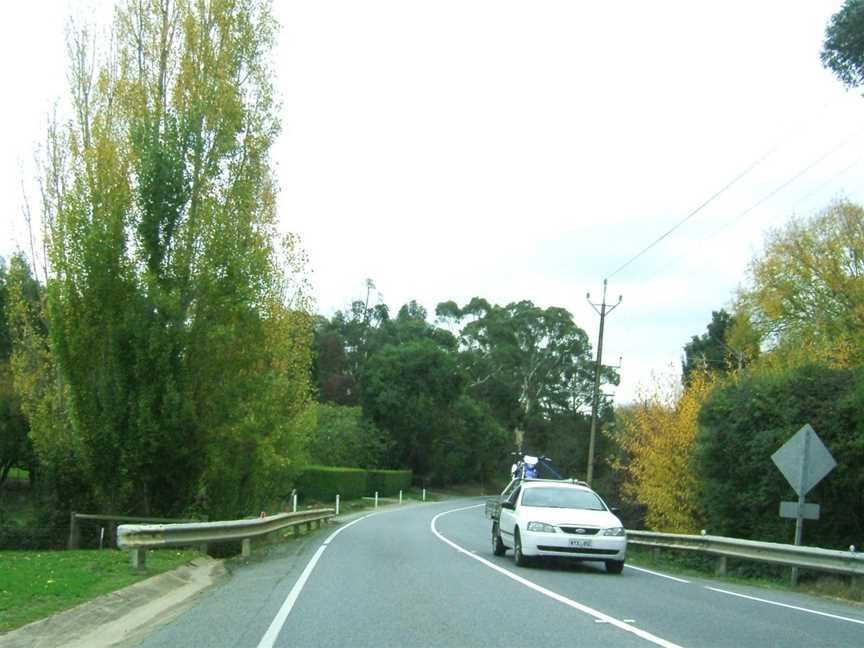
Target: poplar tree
column 178, row 319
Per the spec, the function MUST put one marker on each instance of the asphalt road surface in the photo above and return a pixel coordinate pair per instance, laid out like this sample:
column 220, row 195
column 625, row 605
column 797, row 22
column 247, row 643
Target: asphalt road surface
column 424, row 575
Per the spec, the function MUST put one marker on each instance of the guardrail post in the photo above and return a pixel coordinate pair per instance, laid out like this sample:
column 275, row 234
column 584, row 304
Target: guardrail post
column 246, row 547
column 721, row 565
column 74, row 532
column 139, row 558
column 203, row 548
column 655, row 554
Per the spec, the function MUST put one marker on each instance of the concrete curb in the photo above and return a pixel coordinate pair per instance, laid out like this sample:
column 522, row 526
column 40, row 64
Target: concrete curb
column 120, row 616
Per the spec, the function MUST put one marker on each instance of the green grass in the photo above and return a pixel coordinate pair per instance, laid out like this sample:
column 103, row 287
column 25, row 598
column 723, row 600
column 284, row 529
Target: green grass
column 750, row 573
column 36, row 584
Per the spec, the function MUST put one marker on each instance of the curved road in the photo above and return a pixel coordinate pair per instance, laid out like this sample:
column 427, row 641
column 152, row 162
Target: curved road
column 424, row 575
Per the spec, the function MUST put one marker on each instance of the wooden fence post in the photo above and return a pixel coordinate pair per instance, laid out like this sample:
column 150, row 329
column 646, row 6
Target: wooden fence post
column 74, row 532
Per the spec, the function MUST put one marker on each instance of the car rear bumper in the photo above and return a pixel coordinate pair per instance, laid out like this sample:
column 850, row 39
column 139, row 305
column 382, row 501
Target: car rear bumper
column 562, row 544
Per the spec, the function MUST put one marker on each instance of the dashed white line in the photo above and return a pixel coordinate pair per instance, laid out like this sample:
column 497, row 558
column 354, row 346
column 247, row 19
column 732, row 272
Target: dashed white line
column 542, row 590
column 786, row 605
column 653, row 573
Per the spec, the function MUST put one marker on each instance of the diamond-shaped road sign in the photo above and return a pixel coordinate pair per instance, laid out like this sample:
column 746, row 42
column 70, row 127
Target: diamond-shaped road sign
column 804, row 460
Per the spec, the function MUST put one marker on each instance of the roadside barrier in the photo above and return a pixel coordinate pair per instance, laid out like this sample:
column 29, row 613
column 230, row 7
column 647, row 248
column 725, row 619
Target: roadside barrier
column 826, row 560
column 138, row 538
column 75, row 528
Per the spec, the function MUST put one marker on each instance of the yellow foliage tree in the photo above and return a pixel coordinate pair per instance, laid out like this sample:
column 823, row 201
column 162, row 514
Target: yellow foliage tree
column 657, row 436
column 805, row 298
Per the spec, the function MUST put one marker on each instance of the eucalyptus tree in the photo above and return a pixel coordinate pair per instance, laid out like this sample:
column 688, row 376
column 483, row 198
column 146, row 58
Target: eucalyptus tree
column 526, row 362
column 178, row 319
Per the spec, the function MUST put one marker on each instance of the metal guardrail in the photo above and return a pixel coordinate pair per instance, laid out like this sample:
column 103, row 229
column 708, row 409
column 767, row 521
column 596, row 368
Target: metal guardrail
column 137, row 538
column 826, row 560
column 74, row 541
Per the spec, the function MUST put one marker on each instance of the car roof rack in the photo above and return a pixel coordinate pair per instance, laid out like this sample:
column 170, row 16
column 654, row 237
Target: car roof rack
column 577, row 482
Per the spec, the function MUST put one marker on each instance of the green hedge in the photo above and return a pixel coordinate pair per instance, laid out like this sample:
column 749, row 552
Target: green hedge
column 388, row 482
column 324, row 482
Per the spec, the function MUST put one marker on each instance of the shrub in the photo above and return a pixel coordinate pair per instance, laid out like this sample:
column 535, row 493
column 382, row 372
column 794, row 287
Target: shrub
column 387, row 482
column 344, row 438
column 744, row 423
column 324, row 482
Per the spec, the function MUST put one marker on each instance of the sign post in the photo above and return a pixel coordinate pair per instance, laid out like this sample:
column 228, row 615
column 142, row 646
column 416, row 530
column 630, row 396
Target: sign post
column 804, row 461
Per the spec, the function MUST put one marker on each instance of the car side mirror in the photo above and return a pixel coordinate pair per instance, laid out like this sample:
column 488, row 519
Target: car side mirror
column 508, row 505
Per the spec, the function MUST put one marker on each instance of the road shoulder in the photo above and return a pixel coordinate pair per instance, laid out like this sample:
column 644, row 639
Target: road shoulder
column 121, row 617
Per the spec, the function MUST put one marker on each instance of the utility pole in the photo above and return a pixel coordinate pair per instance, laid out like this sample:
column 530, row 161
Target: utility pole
column 603, row 312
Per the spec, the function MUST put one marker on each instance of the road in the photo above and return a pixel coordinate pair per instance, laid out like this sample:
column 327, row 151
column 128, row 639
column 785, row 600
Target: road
column 424, row 575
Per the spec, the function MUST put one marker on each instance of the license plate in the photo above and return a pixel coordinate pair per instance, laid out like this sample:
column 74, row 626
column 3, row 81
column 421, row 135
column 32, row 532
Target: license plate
column 578, row 542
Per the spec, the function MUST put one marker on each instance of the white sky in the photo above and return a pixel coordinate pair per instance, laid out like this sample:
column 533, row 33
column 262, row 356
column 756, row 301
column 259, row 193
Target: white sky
column 521, row 150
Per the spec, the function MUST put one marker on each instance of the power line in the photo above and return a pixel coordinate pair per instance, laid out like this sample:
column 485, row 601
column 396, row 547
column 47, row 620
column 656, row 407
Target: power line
column 830, row 180
column 766, row 197
column 695, row 211
column 774, row 148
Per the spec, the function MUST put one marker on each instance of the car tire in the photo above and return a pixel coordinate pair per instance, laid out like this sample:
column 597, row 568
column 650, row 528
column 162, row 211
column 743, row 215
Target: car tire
column 498, row 547
column 614, row 566
column 520, row 558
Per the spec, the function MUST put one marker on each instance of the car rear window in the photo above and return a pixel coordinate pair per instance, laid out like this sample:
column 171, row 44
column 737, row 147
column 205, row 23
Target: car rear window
column 552, row 497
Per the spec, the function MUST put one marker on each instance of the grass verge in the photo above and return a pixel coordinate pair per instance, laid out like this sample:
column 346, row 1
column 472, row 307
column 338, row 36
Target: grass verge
column 36, row 584
column 749, row 573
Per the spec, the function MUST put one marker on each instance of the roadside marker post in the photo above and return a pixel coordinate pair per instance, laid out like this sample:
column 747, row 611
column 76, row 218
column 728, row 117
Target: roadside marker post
column 376, row 499
column 424, row 494
column 294, row 504
column 337, row 503
column 400, row 496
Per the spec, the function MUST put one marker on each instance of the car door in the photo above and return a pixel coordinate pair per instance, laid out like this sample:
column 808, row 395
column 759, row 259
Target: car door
column 508, row 516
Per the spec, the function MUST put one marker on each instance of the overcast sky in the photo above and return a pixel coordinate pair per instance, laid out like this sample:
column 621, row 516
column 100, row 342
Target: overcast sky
column 522, row 150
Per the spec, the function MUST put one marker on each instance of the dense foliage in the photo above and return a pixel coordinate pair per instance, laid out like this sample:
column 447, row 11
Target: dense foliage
column 804, row 299
column 455, row 399
column 323, row 483
column 172, row 367
column 343, row 437
column 797, row 336
column 657, row 436
column 745, row 422
column 843, row 51
column 711, row 351
column 387, row 482
column 15, row 449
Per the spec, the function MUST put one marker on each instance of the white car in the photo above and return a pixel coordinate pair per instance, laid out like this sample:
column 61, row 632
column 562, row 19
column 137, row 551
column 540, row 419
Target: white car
column 558, row 518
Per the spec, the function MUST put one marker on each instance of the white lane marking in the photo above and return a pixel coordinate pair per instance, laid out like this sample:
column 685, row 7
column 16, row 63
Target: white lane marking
column 269, row 638
column 341, row 529
column 542, row 590
column 786, row 605
column 624, row 620
column 653, row 573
